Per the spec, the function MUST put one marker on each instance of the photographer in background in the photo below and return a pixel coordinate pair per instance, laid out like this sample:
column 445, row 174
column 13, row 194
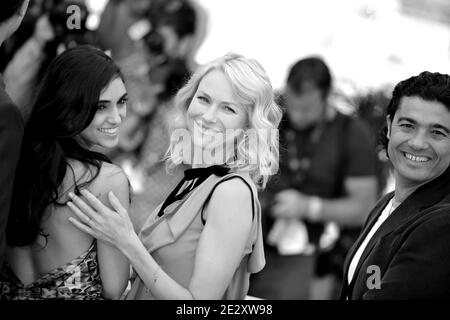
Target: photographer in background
column 316, row 207
column 44, row 36
column 122, row 24
column 155, row 71
column 153, row 59
column 168, row 53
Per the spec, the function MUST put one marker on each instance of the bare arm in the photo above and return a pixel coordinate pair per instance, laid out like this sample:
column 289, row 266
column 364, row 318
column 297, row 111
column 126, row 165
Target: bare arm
column 114, row 266
column 354, row 208
column 350, row 210
column 219, row 252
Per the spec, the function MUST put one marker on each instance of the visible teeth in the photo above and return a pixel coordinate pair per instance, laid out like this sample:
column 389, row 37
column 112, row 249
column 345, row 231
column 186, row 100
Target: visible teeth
column 109, row 131
column 416, row 158
column 208, row 132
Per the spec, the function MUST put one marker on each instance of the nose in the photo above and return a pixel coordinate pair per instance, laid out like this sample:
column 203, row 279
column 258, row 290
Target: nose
column 418, row 141
column 116, row 115
column 210, row 115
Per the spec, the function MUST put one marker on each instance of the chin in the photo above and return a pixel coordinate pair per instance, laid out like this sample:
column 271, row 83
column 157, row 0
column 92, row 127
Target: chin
column 415, row 176
column 109, row 144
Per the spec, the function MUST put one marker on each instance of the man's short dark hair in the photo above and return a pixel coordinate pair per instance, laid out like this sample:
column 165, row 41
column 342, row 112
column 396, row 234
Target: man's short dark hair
column 9, row 8
column 311, row 70
column 183, row 20
column 427, row 85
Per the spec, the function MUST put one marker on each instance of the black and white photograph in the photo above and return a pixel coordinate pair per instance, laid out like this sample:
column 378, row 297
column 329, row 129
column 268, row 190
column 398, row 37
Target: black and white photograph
column 250, row 154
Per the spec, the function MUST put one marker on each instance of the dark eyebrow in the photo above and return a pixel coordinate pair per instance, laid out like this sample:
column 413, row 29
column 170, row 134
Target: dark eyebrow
column 435, row 125
column 406, row 119
column 125, row 95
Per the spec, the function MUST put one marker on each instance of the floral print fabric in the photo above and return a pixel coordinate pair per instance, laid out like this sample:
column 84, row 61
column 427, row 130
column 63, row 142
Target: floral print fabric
column 78, row 279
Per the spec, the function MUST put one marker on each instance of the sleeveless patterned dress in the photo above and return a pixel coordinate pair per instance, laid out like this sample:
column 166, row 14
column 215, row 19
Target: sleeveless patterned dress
column 78, row 279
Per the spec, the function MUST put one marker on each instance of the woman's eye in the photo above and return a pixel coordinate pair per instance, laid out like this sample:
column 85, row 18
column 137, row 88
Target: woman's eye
column 230, row 109
column 202, row 99
column 101, row 107
column 123, row 101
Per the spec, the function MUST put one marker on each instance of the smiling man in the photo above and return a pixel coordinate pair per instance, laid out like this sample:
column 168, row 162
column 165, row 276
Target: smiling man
column 403, row 251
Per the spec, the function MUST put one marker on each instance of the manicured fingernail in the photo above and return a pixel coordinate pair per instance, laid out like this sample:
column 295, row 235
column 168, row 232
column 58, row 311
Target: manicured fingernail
column 71, row 194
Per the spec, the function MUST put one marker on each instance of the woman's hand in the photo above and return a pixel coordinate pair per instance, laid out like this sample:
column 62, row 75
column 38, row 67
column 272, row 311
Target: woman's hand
column 96, row 219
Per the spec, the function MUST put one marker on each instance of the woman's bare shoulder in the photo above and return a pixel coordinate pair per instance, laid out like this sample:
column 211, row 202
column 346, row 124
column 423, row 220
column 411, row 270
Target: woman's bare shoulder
column 110, row 177
column 112, row 174
column 234, row 189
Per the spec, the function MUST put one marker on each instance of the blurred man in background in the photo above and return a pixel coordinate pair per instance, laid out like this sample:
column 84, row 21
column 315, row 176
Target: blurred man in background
column 43, row 35
column 318, row 204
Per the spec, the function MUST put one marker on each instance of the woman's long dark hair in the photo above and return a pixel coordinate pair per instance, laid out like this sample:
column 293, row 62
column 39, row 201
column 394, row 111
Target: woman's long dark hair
column 65, row 104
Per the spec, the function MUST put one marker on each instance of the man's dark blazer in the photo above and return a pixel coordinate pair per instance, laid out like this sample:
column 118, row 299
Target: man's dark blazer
column 411, row 248
column 11, row 133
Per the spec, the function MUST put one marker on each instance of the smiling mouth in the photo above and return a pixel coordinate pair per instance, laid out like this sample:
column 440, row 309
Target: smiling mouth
column 418, row 159
column 206, row 131
column 109, row 131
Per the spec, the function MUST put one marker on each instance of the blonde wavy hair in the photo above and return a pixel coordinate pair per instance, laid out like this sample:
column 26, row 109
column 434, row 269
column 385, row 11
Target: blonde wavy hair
column 253, row 89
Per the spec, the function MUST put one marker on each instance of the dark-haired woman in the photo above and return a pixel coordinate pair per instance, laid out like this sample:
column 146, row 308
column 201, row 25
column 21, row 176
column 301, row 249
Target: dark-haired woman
column 77, row 111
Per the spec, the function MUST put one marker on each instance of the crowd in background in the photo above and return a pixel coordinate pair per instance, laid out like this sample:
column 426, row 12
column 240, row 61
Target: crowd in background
column 154, row 43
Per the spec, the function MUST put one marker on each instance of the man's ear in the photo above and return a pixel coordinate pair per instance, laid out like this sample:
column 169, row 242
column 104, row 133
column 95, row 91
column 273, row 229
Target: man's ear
column 389, row 124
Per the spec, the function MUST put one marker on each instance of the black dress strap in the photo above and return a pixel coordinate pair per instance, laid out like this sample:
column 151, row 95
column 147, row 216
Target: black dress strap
column 212, row 191
column 201, row 174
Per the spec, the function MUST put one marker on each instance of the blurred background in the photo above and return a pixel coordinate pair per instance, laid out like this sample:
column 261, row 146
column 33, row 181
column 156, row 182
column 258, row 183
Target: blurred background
column 369, row 45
